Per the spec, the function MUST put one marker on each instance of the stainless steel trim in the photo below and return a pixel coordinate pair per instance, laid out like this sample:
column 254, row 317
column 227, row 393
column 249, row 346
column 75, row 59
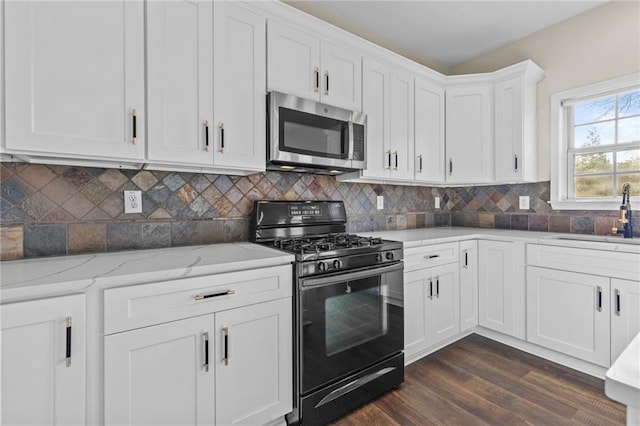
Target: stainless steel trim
column 342, row 277
column 351, row 386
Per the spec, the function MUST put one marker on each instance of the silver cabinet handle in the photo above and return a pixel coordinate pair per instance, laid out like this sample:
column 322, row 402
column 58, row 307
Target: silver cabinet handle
column 326, row 84
column 221, row 126
column 207, row 296
column 225, row 335
column 396, row 154
column 388, row 160
column 515, row 162
column 430, row 289
column 206, row 135
column 618, row 302
column 450, row 166
column 420, row 160
column 68, row 342
column 599, row 299
column 438, row 287
column 134, row 126
column 431, row 256
column 206, row 351
column 316, row 72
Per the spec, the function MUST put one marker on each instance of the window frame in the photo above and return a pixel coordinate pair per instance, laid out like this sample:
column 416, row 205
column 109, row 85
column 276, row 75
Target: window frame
column 561, row 163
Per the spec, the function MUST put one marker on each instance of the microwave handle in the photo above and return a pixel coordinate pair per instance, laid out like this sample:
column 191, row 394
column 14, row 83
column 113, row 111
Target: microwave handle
column 351, row 141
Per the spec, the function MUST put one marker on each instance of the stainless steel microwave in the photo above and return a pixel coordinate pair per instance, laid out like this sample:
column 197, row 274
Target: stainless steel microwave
column 308, row 136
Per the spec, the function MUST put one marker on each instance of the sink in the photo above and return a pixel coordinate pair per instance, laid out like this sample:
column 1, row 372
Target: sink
column 597, row 239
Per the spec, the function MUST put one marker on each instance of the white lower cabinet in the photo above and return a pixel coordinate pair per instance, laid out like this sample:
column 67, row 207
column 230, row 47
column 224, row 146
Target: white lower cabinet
column 569, row 312
column 159, row 375
column 43, row 361
column 228, row 368
column 468, row 284
column 253, row 363
column 431, row 306
column 499, row 287
column 625, row 314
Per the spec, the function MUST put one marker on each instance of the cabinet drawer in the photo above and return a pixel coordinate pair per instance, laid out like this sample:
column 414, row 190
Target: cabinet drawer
column 588, row 261
column 126, row 308
column 428, row 256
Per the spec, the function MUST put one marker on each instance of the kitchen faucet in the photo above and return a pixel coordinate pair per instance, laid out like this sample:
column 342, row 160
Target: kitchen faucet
column 625, row 214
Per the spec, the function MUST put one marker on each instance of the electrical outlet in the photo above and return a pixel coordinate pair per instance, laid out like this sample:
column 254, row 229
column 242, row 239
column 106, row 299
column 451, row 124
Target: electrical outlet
column 524, row 202
column 133, row 201
column 380, row 202
column 436, row 202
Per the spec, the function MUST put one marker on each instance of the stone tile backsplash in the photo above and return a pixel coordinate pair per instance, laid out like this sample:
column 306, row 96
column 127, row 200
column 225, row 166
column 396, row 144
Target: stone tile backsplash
column 50, row 210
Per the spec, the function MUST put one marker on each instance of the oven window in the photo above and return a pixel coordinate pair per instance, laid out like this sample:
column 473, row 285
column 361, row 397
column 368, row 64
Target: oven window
column 353, row 319
column 312, row 134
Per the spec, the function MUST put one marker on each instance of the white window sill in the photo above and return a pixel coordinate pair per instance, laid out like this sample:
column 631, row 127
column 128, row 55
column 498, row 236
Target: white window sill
column 610, row 204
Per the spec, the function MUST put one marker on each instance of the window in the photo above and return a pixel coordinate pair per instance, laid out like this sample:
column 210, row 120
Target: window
column 597, row 142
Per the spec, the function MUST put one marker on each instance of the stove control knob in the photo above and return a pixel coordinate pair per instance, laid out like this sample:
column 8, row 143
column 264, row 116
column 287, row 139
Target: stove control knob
column 322, row 266
column 389, row 255
column 379, row 257
column 337, row 264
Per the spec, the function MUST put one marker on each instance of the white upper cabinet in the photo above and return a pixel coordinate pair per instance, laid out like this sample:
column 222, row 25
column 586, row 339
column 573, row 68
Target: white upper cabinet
column 375, row 103
column 387, row 100
column 239, row 88
column 302, row 64
column 180, row 82
column 74, row 79
column 469, row 140
column 516, row 124
column 429, row 131
column 401, row 124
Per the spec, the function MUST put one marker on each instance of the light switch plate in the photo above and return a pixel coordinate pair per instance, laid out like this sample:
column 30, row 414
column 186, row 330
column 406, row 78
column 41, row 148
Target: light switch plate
column 133, row 201
column 380, row 202
column 524, row 202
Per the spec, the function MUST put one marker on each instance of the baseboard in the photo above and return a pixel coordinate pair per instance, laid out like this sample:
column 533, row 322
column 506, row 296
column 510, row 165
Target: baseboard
column 548, row 354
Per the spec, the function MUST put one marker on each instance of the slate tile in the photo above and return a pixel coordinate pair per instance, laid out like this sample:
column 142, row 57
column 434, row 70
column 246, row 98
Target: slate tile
column 223, row 183
column 87, row 238
column 538, row 223
column 173, row 182
column 59, row 190
column 144, row 180
column 45, row 240
column 37, row 175
column 582, row 225
column 78, row 177
column 502, row 221
column 14, row 189
column 11, row 242
column 560, row 224
column 78, row 206
column 520, row 222
column 123, row 236
column 184, row 233
column 113, row 179
column 155, row 235
column 96, row 191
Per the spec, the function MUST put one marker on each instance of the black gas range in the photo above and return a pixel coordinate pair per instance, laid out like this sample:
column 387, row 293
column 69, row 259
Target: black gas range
column 348, row 307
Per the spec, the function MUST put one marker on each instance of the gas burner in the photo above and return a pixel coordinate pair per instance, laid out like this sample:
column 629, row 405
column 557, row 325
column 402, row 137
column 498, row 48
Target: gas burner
column 324, row 243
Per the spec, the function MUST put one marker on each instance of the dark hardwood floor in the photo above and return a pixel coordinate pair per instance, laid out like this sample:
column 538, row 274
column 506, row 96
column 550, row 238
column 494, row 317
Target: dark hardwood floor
column 479, row 381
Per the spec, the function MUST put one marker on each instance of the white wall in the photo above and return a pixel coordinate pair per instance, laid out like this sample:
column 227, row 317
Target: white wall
column 594, row 46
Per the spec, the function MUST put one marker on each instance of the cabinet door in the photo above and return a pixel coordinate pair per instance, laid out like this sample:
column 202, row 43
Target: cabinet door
column 569, row 312
column 375, row 103
column 468, row 284
column 158, row 375
column 401, row 125
column 74, row 74
column 415, row 314
column 180, row 81
column 254, row 363
column 508, row 130
column 496, row 283
column 429, row 131
column 239, row 88
column 341, row 77
column 293, row 64
column 444, row 303
column 39, row 385
column 625, row 314
column 469, row 127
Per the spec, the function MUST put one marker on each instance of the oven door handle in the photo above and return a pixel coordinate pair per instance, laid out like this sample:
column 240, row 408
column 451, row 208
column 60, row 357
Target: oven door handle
column 342, row 277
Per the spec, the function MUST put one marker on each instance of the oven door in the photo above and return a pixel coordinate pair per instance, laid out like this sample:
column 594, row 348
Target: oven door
column 349, row 321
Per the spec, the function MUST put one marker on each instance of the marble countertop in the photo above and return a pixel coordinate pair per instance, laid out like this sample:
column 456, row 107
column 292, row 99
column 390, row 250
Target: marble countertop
column 53, row 276
column 426, row 236
column 622, row 380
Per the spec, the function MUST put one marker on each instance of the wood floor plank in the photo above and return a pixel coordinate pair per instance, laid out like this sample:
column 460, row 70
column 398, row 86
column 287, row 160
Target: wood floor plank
column 477, row 381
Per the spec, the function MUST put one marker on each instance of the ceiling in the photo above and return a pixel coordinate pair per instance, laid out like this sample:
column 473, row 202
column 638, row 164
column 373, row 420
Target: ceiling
column 445, row 31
